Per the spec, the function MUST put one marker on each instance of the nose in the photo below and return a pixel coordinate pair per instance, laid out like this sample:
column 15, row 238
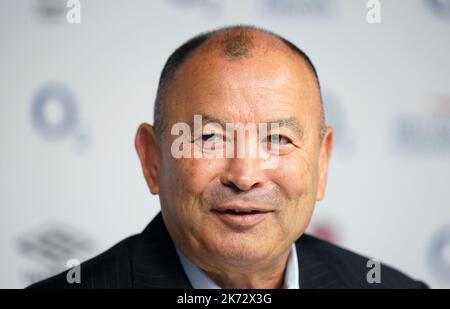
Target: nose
column 243, row 174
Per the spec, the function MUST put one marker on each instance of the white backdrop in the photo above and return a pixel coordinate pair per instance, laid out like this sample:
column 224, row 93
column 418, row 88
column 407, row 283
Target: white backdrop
column 72, row 96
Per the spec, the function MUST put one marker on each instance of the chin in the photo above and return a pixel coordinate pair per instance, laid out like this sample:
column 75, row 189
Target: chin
column 241, row 248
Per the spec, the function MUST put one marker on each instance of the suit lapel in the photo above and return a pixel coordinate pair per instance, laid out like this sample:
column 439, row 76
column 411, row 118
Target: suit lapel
column 315, row 271
column 155, row 263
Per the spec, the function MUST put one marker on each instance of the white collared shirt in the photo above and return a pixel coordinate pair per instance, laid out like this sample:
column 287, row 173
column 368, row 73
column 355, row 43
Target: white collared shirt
column 200, row 280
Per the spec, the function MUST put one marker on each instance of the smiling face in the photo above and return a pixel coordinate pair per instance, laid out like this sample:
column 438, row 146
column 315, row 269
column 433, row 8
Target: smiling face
column 200, row 197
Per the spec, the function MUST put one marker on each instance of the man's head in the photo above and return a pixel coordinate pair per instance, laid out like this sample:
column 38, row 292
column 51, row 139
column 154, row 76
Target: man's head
column 249, row 76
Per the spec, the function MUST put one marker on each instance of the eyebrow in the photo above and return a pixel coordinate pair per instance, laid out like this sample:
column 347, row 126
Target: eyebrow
column 291, row 123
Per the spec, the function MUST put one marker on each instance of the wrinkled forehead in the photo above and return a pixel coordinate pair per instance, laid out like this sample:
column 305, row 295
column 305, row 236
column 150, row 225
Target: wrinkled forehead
column 267, row 81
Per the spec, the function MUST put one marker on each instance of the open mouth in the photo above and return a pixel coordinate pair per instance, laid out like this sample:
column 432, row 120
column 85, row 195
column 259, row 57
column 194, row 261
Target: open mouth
column 240, row 217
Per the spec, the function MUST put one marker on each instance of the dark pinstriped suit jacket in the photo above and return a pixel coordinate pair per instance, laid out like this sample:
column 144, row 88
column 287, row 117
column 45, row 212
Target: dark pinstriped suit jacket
column 149, row 260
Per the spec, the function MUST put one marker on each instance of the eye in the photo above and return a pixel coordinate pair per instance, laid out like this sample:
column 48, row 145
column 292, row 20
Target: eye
column 211, row 138
column 278, row 139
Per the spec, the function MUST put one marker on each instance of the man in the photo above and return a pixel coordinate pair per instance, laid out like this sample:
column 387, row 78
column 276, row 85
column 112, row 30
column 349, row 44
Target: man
column 230, row 220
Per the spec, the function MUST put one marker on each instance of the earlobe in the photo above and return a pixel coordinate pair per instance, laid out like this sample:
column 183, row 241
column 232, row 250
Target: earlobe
column 326, row 149
column 146, row 143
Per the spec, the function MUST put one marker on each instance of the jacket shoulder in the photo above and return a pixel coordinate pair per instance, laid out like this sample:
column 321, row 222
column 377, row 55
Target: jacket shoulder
column 110, row 269
column 353, row 269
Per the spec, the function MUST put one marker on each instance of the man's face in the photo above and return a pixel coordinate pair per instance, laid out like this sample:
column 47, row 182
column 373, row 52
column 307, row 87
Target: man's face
column 200, row 196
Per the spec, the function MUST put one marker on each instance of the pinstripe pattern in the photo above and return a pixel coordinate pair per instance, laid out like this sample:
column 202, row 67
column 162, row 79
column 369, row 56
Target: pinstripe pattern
column 149, row 260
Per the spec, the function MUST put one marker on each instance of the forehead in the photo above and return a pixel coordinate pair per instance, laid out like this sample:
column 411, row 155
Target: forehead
column 267, row 83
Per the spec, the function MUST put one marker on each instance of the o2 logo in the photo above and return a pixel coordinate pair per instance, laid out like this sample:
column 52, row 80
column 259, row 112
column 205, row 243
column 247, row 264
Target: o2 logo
column 440, row 8
column 439, row 255
column 54, row 115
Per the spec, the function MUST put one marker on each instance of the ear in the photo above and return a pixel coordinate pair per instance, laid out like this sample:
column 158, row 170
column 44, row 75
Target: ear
column 147, row 147
column 326, row 148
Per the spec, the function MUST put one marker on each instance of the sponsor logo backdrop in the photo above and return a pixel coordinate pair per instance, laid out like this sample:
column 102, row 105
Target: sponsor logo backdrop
column 72, row 96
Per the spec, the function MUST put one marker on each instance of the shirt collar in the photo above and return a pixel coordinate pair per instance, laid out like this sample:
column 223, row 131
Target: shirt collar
column 200, row 280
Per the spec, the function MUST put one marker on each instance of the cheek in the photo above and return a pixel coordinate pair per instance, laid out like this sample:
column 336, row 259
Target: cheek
column 183, row 184
column 295, row 176
column 190, row 179
column 196, row 174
